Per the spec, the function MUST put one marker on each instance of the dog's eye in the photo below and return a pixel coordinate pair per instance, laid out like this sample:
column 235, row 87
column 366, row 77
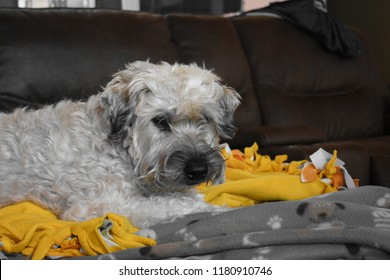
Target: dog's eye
column 161, row 122
column 204, row 121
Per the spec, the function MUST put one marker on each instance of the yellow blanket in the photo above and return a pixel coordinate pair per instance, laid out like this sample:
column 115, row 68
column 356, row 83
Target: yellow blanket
column 31, row 230
column 252, row 178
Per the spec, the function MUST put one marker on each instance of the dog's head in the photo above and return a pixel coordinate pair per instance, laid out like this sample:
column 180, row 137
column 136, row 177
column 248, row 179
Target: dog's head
column 320, row 211
column 169, row 119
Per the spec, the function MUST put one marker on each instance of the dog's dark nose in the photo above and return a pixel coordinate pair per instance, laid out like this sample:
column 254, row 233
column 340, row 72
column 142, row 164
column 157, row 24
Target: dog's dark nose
column 322, row 215
column 196, row 170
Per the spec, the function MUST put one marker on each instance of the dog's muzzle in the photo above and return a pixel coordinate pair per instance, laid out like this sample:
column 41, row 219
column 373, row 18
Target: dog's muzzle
column 186, row 168
column 180, row 168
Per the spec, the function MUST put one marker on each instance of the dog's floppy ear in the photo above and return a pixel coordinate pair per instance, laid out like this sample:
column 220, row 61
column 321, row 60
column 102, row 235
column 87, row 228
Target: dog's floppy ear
column 228, row 104
column 120, row 98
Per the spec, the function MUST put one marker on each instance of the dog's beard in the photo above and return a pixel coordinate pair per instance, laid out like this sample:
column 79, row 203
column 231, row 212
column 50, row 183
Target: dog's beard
column 165, row 171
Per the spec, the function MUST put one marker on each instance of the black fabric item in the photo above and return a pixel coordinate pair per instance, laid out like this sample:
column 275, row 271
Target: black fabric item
column 324, row 27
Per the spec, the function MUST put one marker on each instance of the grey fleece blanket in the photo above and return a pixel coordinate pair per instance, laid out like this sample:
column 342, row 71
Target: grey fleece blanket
column 353, row 224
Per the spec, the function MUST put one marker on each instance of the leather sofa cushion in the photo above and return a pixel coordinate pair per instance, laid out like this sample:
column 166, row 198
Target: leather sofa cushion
column 380, row 166
column 298, row 82
column 277, row 136
column 342, row 115
column 379, row 151
column 376, row 145
column 48, row 55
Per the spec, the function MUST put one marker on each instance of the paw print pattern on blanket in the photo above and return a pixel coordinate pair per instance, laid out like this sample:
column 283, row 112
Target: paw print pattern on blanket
column 275, row 222
column 147, row 232
column 261, row 253
column 384, row 201
column 186, row 234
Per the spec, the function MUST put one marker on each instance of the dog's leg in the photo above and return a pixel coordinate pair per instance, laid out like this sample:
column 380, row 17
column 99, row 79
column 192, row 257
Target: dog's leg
column 154, row 209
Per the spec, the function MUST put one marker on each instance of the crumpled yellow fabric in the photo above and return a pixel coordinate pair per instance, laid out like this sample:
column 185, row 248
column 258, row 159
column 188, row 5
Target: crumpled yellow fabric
column 31, row 230
column 252, row 178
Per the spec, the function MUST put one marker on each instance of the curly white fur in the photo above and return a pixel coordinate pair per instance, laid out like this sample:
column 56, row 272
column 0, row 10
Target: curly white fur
column 129, row 149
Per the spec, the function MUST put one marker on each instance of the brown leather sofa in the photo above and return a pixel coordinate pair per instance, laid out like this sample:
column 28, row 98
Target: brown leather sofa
column 297, row 96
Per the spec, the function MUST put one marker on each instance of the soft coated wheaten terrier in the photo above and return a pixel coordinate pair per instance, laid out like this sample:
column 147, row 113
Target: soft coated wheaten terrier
column 136, row 149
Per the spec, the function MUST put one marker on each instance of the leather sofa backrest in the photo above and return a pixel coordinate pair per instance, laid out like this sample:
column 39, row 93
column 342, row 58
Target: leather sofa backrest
column 48, row 55
column 286, row 78
column 298, row 82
